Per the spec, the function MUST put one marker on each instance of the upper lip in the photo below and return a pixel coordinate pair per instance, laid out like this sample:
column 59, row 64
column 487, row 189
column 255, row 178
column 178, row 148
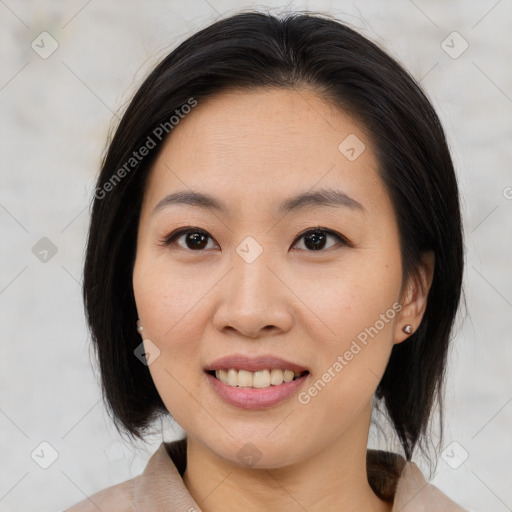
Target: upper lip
column 253, row 364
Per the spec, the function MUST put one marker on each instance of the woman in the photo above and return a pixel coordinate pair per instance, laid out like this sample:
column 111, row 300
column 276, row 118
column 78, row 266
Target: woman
column 275, row 251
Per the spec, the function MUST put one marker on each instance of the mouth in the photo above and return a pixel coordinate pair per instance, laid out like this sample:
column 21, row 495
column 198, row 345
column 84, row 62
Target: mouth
column 260, row 379
column 255, row 382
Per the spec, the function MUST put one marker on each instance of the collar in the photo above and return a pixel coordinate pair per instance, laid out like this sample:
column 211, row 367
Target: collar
column 160, row 487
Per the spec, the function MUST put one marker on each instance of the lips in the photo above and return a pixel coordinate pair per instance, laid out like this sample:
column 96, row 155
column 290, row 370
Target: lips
column 254, row 398
column 254, row 364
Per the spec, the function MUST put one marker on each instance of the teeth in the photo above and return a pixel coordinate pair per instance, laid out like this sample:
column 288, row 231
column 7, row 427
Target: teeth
column 244, row 379
column 259, row 379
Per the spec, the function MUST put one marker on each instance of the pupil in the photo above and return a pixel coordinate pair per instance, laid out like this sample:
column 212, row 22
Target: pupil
column 317, row 239
column 198, row 240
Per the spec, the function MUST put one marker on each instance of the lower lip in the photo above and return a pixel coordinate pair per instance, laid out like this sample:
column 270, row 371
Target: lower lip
column 255, row 398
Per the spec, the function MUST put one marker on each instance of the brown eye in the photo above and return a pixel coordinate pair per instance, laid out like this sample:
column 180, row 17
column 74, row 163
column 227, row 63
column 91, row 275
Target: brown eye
column 316, row 239
column 193, row 239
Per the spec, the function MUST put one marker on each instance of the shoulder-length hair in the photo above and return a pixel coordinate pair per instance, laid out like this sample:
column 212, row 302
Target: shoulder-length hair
column 247, row 51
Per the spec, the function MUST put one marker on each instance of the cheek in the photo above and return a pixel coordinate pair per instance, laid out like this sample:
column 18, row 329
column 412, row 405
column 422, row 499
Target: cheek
column 167, row 298
column 358, row 309
column 359, row 294
column 349, row 363
column 168, row 304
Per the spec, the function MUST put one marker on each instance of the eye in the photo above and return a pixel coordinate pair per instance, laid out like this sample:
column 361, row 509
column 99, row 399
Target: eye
column 315, row 239
column 196, row 239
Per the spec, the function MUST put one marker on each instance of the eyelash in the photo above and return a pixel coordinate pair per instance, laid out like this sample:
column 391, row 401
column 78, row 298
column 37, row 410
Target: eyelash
column 171, row 239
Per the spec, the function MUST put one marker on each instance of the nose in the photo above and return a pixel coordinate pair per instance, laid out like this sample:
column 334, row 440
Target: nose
column 253, row 301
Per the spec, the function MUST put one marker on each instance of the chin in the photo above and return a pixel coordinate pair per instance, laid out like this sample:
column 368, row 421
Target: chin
column 258, row 453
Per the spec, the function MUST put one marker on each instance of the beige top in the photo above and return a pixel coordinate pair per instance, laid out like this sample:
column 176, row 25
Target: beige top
column 160, row 487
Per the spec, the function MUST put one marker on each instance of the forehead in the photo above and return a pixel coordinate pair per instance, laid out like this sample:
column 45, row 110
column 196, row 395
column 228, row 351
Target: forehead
column 265, row 144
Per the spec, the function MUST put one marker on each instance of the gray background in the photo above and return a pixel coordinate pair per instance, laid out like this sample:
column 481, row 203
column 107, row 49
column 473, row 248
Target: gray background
column 55, row 116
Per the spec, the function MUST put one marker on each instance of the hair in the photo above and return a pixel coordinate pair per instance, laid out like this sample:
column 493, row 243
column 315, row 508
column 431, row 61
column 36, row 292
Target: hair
column 252, row 50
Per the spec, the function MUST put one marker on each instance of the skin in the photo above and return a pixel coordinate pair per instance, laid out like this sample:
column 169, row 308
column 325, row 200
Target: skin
column 253, row 150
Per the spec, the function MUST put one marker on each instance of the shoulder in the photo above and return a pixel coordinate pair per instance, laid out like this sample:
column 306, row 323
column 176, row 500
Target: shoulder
column 117, row 498
column 160, row 484
column 414, row 493
column 395, row 480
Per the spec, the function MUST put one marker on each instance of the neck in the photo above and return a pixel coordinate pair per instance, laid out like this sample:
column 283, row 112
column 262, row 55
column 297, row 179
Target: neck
column 333, row 479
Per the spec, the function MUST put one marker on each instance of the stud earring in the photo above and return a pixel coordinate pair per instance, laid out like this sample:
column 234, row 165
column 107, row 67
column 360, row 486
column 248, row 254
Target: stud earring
column 407, row 328
column 139, row 326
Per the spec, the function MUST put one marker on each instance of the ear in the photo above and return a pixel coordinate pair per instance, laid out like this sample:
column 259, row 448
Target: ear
column 414, row 296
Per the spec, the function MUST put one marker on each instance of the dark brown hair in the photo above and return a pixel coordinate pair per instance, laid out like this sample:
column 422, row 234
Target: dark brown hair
column 247, row 51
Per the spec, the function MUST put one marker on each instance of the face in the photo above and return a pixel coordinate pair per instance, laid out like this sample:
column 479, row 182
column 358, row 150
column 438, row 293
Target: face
column 313, row 283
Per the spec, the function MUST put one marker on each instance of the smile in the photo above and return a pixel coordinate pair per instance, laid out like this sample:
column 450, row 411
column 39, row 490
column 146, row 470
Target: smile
column 259, row 379
column 252, row 397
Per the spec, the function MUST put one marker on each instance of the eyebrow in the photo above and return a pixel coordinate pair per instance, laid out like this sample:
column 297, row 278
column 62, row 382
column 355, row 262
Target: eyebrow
column 322, row 197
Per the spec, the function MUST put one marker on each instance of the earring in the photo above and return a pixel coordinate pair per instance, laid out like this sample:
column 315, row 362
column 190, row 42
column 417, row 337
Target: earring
column 407, row 328
column 139, row 326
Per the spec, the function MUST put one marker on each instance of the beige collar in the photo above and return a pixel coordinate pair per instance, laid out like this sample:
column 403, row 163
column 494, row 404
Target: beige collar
column 160, row 487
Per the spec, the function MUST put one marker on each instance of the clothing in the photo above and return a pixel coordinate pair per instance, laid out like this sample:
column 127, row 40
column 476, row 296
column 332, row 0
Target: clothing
column 160, row 487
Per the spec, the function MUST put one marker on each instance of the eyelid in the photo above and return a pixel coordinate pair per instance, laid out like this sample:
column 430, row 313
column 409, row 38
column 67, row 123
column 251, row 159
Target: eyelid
column 170, row 239
column 319, row 229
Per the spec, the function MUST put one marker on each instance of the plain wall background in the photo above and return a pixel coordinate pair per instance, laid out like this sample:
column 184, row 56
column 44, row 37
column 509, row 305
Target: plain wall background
column 55, row 116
